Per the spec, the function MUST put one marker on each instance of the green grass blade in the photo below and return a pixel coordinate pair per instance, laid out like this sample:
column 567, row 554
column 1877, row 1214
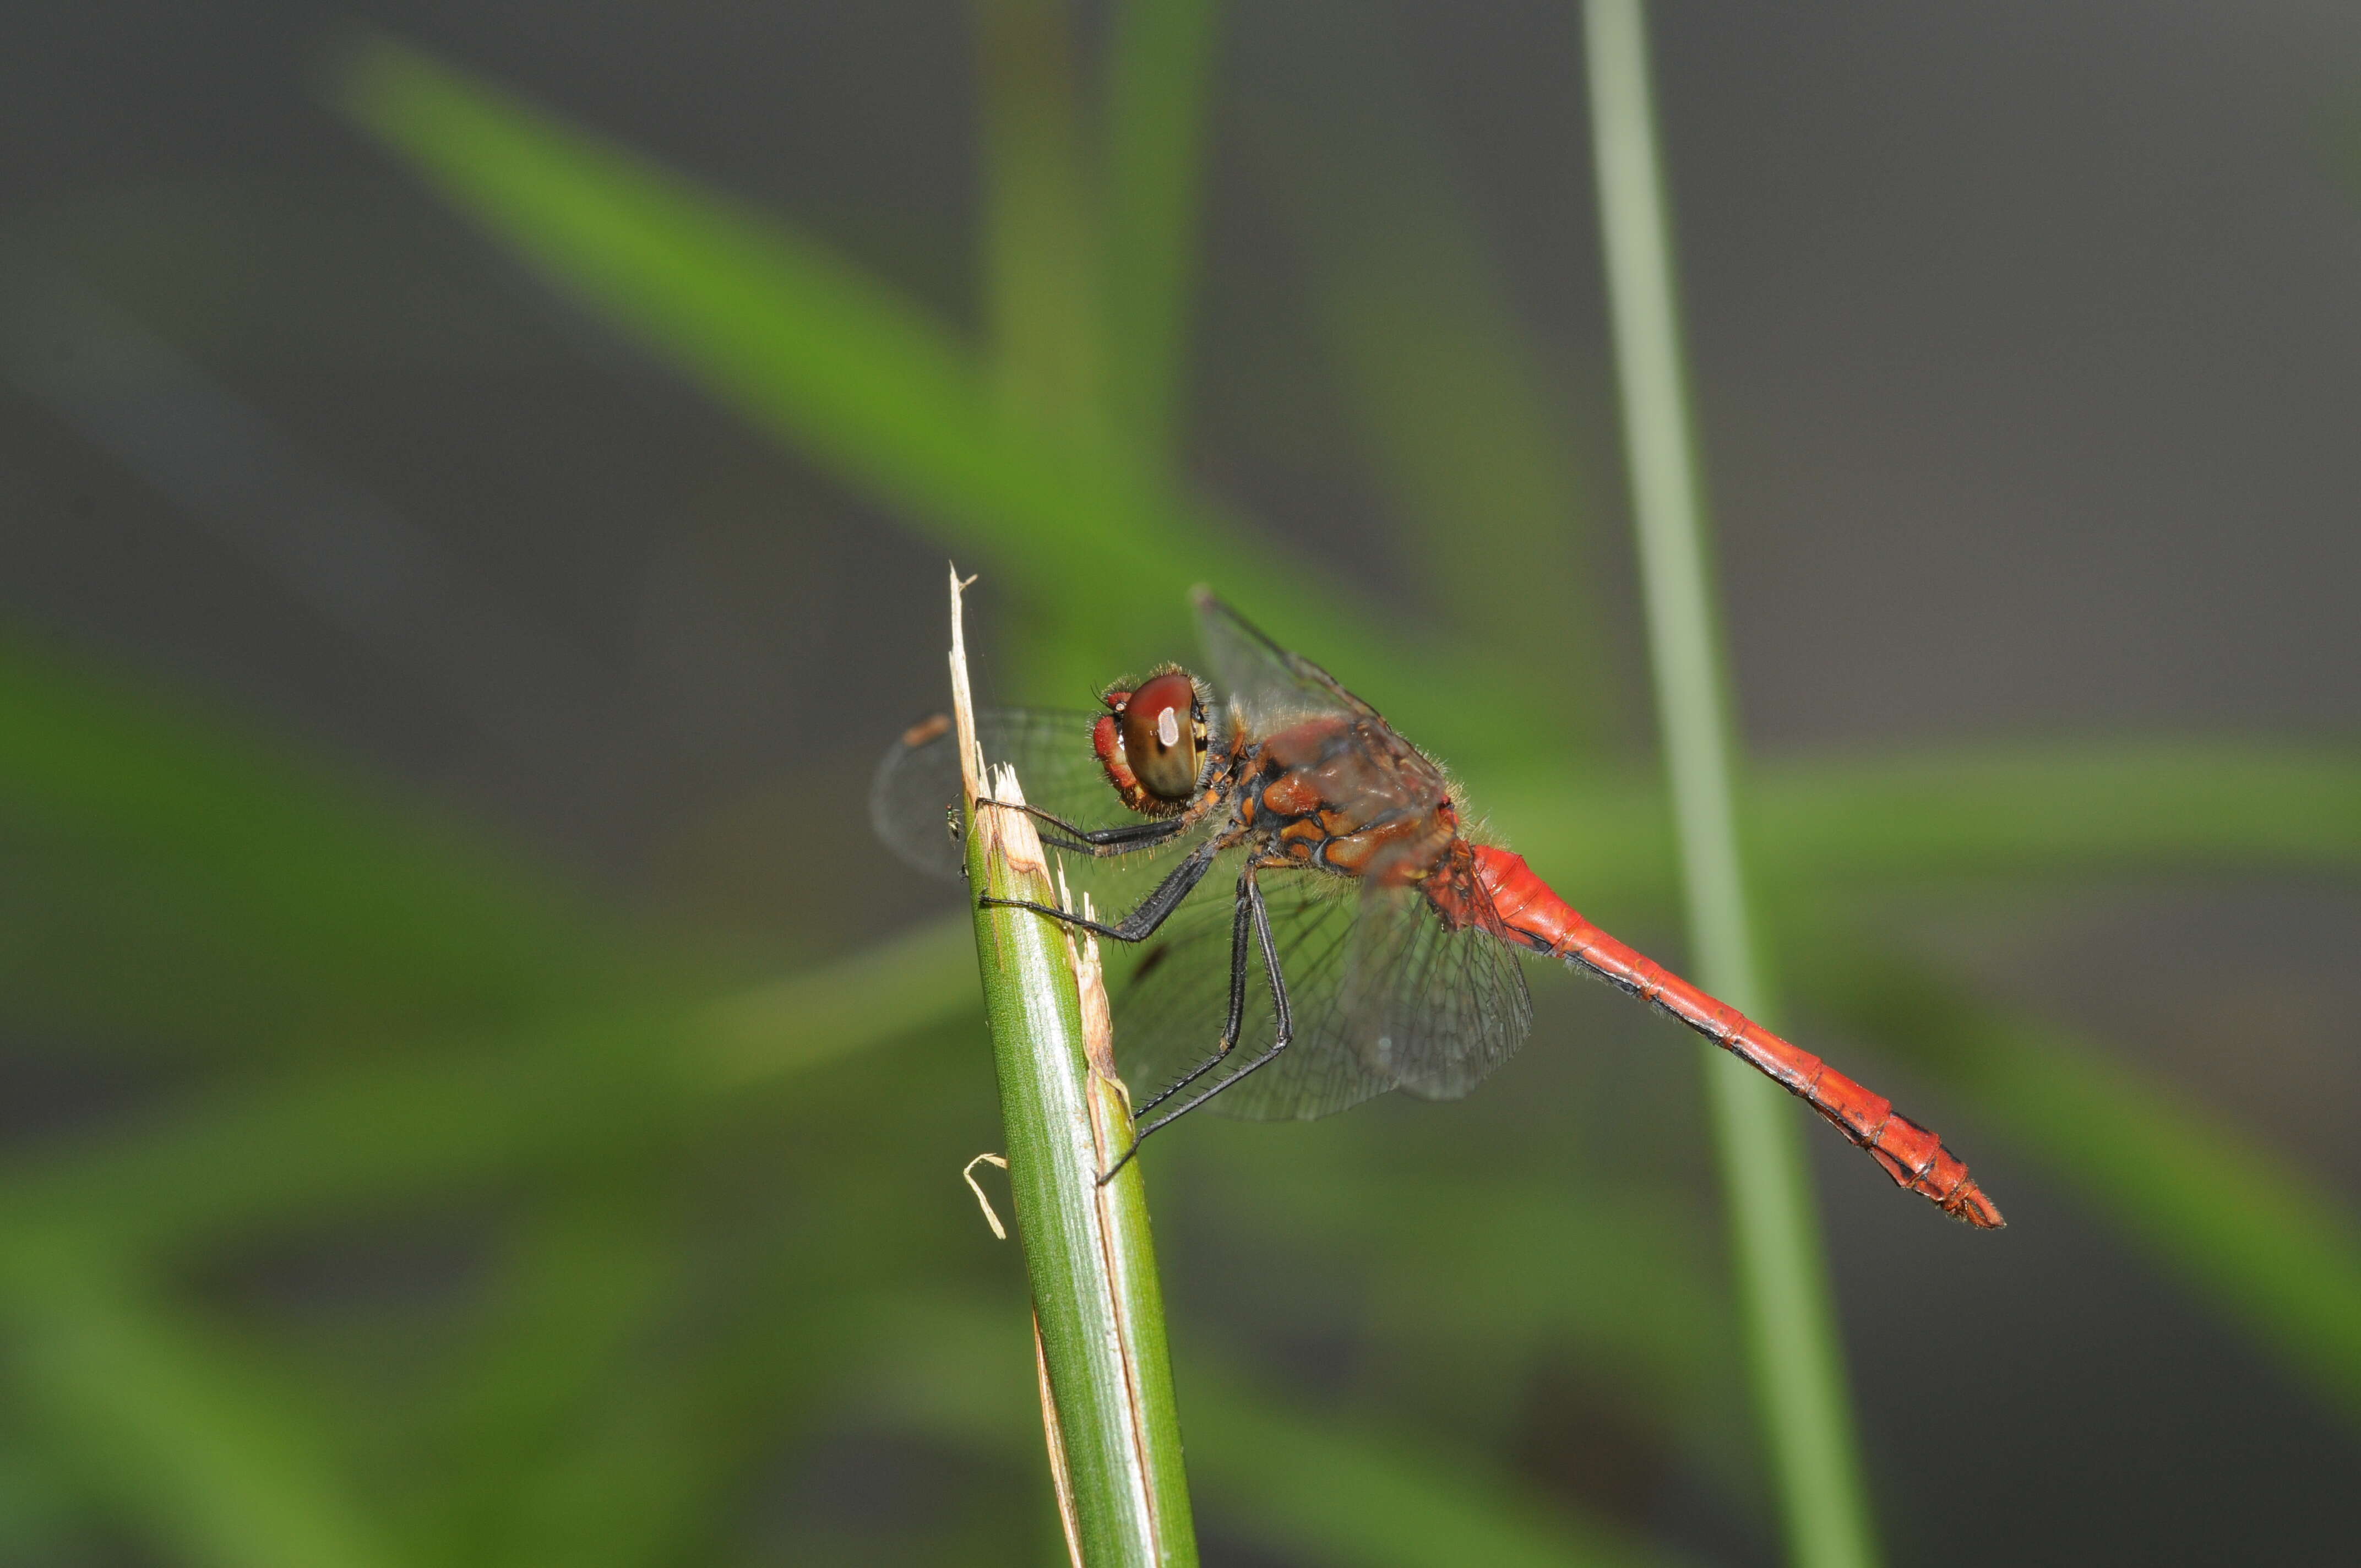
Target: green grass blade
column 1968, row 815
column 583, row 1288
column 2073, row 808
column 1040, row 231
column 853, row 375
column 769, row 322
column 1792, row 1341
column 1041, row 253
column 1506, row 1254
column 1355, row 1493
column 1453, row 410
column 573, row 1087
column 364, row 1138
column 1098, row 1309
column 1158, row 92
column 210, row 1465
column 2220, row 1210
column 168, row 870
column 1326, row 1490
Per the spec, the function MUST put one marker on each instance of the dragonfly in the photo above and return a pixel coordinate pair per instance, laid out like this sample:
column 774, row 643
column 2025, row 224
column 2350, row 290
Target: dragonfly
column 1269, row 820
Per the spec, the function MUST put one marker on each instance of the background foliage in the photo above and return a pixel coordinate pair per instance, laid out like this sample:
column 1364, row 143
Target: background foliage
column 379, row 1195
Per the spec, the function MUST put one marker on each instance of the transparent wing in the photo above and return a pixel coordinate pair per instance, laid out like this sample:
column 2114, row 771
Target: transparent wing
column 1170, row 1011
column 913, row 798
column 1383, row 996
column 1434, row 1009
column 1263, row 685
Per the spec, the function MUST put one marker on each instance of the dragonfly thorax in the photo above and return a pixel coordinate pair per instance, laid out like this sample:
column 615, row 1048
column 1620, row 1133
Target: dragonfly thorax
column 1349, row 796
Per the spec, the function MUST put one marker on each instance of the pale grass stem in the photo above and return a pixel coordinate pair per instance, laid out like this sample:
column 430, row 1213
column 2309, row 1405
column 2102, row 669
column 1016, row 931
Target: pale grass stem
column 1107, row 1402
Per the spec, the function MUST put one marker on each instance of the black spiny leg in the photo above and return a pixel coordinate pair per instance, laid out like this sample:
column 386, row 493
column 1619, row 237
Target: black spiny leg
column 1281, row 1016
column 1142, row 922
column 1098, row 842
column 1239, row 926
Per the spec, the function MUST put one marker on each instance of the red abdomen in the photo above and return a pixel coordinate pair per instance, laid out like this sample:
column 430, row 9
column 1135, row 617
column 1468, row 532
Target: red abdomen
column 1526, row 911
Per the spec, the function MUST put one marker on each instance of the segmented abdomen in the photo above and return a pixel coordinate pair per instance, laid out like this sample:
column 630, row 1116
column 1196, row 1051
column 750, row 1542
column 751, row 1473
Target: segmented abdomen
column 1530, row 913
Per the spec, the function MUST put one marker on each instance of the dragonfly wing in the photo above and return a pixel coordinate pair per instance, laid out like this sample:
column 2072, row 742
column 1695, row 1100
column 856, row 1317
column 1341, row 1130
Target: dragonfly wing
column 1434, row 1009
column 914, row 797
column 1263, row 686
column 1170, row 1012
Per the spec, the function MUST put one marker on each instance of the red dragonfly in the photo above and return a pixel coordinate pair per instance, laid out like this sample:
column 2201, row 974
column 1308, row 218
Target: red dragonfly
column 1385, row 933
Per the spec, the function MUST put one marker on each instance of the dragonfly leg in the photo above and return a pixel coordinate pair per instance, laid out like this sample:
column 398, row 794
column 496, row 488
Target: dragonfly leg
column 1282, row 1035
column 1147, row 835
column 1098, row 842
column 1240, row 926
column 1142, row 922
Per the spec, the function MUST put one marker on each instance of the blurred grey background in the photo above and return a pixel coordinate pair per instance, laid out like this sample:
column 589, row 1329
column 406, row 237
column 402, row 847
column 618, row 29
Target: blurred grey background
column 2028, row 342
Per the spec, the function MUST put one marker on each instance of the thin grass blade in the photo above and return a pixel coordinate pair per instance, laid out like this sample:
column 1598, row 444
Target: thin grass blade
column 1376, row 1498
column 1453, row 410
column 168, row 870
column 1041, row 225
column 1097, row 1305
column 208, row 1463
column 806, row 348
column 1159, row 94
column 1793, row 1351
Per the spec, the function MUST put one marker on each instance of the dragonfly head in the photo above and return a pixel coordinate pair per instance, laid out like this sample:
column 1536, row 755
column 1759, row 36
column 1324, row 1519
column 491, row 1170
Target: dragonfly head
column 1152, row 741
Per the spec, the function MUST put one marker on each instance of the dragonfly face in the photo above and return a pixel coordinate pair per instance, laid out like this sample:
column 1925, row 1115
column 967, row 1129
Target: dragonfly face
column 1153, row 742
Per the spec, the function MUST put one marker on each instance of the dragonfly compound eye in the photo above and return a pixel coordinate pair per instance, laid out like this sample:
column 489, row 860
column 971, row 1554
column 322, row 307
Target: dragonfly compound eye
column 1161, row 736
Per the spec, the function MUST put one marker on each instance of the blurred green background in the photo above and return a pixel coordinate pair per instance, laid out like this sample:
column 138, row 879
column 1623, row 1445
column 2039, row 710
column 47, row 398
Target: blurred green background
column 476, row 484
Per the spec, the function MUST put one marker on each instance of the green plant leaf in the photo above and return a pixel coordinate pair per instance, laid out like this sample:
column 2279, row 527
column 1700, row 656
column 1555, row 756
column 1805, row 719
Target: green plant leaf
column 1453, row 413
column 209, row 1463
column 2079, row 808
column 168, row 870
column 1502, row 1256
column 1358, row 1493
column 1159, row 93
column 1793, row 1352
column 811, row 351
column 580, row 1087
column 1301, row 1483
column 1953, row 816
column 1040, row 225
column 1081, row 1205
